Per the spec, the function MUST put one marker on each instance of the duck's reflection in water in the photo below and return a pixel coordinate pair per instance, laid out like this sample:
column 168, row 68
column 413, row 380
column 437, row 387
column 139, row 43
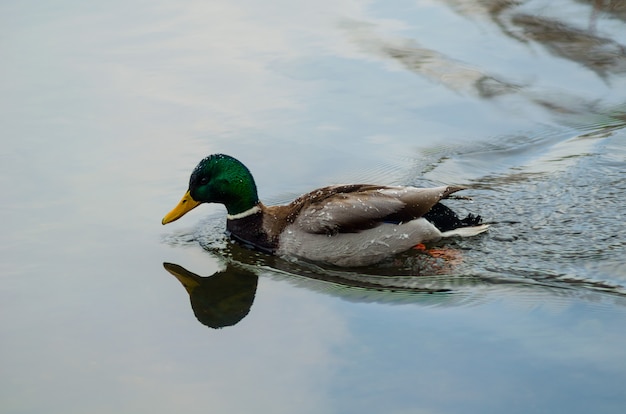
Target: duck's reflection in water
column 226, row 297
column 220, row 300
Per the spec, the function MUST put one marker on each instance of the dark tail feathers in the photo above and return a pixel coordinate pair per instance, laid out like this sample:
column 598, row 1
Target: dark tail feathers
column 445, row 219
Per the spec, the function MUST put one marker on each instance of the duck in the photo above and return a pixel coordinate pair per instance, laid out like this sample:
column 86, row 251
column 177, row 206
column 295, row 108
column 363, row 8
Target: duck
column 347, row 225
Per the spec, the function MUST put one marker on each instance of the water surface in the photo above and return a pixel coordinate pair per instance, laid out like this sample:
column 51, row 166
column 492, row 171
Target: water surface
column 106, row 108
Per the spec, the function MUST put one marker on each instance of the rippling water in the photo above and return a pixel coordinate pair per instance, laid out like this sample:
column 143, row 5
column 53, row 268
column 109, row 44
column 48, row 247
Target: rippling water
column 106, row 108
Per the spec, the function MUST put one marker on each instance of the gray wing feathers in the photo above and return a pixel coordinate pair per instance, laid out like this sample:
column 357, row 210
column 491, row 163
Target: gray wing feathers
column 368, row 207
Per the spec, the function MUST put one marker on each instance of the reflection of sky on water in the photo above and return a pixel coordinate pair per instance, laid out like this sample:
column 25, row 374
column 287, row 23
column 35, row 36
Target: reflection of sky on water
column 489, row 360
column 225, row 72
column 106, row 107
column 481, row 356
column 89, row 356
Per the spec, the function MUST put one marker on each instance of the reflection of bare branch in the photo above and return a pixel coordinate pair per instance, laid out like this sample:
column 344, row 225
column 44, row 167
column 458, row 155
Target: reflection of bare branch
column 453, row 74
column 492, row 8
column 600, row 54
column 466, row 79
column 616, row 8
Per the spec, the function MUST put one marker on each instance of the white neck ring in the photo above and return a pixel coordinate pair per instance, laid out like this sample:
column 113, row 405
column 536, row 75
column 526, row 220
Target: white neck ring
column 243, row 214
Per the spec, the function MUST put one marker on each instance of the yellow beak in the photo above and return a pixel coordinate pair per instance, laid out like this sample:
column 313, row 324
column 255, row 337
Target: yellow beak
column 185, row 205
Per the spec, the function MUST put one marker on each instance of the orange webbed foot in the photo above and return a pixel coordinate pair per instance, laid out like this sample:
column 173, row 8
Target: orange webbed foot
column 440, row 253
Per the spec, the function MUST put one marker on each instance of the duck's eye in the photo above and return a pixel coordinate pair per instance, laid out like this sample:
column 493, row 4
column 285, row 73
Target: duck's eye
column 204, row 180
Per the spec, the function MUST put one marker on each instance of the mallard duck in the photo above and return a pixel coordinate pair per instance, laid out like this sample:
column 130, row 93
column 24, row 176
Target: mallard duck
column 342, row 225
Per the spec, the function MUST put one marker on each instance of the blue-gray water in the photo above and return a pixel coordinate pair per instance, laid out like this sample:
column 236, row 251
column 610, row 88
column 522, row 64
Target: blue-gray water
column 106, row 107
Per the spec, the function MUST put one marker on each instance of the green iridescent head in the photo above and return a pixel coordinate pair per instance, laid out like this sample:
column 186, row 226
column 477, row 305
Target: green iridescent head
column 220, row 179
